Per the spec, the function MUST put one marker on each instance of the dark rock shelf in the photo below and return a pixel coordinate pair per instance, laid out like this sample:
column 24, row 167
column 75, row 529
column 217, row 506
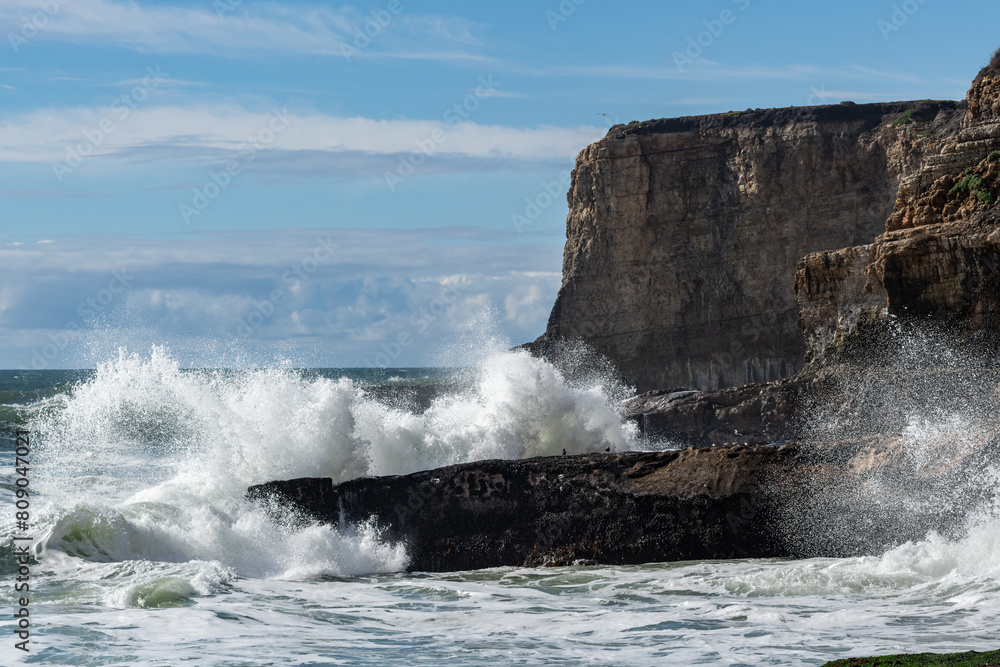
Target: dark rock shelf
column 615, row 509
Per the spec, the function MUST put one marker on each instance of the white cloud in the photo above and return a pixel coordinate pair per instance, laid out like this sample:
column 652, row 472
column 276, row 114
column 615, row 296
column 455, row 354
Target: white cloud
column 209, row 133
column 707, row 70
column 433, row 254
column 376, row 285
column 10, row 295
column 531, row 302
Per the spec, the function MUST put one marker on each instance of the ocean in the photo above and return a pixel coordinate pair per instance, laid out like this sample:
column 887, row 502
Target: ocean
column 144, row 551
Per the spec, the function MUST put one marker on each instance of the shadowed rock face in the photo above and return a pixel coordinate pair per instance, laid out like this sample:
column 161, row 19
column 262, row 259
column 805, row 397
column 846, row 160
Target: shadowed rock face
column 683, row 234
column 727, row 502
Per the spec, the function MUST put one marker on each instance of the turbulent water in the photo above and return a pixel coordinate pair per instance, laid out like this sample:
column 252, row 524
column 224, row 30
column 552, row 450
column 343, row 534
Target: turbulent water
column 147, row 554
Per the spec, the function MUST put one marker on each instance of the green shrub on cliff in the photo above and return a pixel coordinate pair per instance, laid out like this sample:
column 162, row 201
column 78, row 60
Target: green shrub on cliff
column 970, row 659
column 905, row 118
column 969, row 183
column 993, row 156
column 975, row 185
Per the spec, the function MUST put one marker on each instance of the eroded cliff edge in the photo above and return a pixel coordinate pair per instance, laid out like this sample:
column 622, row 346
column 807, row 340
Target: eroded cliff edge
column 684, row 234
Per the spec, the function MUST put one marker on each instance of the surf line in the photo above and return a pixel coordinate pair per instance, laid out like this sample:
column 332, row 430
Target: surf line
column 22, row 541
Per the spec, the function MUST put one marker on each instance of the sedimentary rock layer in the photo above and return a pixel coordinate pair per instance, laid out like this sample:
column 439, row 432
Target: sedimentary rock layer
column 683, row 234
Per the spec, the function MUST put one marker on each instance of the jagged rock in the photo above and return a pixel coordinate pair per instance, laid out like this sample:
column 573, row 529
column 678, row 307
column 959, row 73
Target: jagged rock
column 752, row 414
column 940, row 191
column 831, row 402
column 597, row 508
column 683, row 234
column 945, row 275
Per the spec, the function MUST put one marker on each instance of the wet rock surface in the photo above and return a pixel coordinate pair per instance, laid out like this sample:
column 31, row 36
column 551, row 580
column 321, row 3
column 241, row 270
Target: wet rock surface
column 611, row 508
column 637, row 507
column 598, row 508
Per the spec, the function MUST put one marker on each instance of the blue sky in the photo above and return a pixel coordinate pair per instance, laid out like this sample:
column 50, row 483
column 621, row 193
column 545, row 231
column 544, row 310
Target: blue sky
column 165, row 165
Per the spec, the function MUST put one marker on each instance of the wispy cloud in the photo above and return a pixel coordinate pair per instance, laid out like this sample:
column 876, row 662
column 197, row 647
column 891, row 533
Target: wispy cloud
column 509, row 94
column 249, row 29
column 215, row 133
column 160, row 83
column 703, row 70
column 823, row 96
column 707, row 70
column 387, row 252
column 46, row 194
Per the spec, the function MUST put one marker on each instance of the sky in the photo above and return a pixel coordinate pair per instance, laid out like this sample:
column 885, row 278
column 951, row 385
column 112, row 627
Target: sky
column 376, row 184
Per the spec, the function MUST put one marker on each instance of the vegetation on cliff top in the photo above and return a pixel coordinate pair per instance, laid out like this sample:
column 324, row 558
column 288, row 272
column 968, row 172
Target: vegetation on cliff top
column 905, row 118
column 994, row 65
column 969, row 659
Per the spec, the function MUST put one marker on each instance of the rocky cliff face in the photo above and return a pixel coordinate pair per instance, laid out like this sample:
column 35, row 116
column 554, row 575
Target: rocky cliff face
column 905, row 325
column 938, row 263
column 683, row 234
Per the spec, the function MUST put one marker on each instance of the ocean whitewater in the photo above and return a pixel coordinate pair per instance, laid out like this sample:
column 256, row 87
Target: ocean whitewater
column 146, row 553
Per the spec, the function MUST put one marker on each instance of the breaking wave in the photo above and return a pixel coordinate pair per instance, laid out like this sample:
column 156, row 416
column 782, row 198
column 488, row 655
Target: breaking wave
column 145, row 461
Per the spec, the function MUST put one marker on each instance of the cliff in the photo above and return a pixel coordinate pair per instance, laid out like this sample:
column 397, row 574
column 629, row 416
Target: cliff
column 903, row 325
column 684, row 234
column 936, row 266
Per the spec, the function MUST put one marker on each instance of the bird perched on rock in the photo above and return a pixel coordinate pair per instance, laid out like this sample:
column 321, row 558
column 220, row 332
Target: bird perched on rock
column 564, row 451
column 607, row 449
